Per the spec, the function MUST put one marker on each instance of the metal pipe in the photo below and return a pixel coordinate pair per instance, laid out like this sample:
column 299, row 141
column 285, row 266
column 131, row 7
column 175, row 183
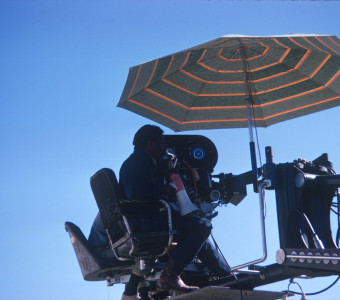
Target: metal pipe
column 250, row 122
column 251, row 272
column 263, row 229
column 247, row 91
column 317, row 180
column 319, row 257
column 329, row 180
column 254, row 166
column 249, row 101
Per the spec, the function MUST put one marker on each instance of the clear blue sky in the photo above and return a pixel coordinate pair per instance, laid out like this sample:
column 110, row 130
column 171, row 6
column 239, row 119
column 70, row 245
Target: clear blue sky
column 63, row 68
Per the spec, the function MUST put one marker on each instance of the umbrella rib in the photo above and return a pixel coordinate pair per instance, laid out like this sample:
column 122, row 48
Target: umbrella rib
column 169, row 66
column 333, row 79
column 322, row 42
column 309, row 42
column 333, row 41
column 173, row 57
column 135, row 82
column 153, row 72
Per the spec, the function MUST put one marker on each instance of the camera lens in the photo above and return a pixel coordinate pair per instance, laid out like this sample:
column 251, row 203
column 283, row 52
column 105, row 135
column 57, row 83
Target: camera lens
column 198, row 153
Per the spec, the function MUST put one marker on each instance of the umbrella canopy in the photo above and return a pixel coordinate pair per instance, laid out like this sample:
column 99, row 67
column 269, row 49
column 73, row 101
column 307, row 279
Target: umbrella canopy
column 211, row 85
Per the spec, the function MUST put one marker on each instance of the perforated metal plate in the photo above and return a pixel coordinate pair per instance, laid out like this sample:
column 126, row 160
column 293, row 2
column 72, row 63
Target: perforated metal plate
column 217, row 292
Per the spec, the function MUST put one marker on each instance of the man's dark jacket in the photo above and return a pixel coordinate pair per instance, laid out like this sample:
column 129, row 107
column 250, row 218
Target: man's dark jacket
column 140, row 178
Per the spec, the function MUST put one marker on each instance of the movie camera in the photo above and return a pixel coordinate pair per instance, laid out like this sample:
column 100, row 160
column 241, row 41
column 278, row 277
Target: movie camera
column 194, row 157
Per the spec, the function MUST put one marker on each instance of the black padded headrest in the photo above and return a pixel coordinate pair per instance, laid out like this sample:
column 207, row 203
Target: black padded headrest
column 105, row 189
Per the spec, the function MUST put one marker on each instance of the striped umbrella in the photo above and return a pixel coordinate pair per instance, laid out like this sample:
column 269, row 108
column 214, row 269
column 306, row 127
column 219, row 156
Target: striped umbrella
column 210, row 85
column 237, row 81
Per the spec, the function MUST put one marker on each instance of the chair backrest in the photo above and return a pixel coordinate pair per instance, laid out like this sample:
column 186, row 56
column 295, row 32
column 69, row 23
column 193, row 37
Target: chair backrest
column 145, row 231
column 93, row 267
column 105, row 189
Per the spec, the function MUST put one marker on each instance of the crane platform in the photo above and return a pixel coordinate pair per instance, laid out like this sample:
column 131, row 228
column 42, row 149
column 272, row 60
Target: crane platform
column 225, row 293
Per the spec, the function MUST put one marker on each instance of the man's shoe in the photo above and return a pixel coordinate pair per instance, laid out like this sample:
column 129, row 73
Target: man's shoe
column 170, row 279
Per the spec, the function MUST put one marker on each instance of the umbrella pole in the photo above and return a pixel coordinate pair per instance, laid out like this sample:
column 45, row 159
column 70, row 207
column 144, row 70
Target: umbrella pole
column 250, row 122
column 252, row 149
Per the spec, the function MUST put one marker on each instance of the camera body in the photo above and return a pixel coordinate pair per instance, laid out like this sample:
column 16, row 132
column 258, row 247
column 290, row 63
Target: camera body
column 196, row 157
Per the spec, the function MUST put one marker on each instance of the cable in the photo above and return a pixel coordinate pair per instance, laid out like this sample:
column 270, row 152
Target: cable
column 338, row 231
column 315, row 293
column 291, row 281
column 336, row 205
column 317, row 242
column 219, row 250
column 333, row 210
